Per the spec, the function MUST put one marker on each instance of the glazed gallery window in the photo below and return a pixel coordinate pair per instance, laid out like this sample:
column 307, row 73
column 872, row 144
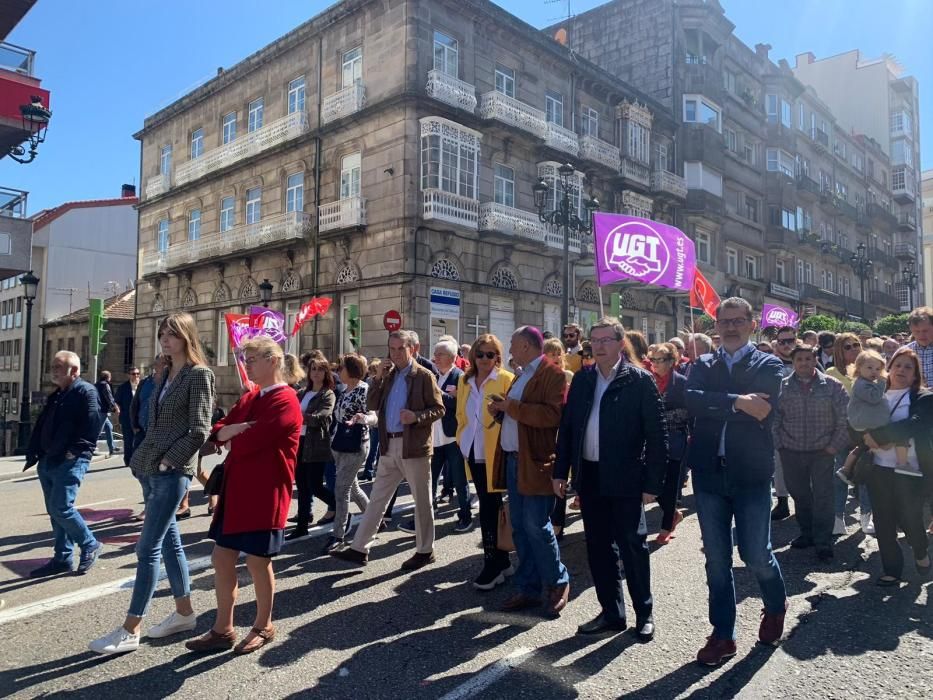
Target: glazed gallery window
column 352, row 69
column 446, row 54
column 699, row 110
column 449, row 157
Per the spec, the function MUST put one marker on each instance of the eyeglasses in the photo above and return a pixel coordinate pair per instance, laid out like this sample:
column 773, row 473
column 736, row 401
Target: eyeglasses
column 253, row 360
column 659, row 360
column 134, row 374
column 570, row 335
column 604, row 341
column 491, row 355
column 732, row 322
column 854, row 346
column 787, row 341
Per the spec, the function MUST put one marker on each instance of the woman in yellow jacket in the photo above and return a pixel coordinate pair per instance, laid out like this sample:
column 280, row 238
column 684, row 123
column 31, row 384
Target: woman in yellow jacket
column 477, row 436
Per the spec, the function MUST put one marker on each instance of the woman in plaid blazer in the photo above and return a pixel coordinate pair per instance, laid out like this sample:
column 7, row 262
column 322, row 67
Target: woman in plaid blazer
column 179, row 424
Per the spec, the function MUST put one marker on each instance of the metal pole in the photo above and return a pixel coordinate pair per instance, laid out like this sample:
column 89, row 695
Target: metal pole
column 861, row 279
column 565, row 289
column 25, row 428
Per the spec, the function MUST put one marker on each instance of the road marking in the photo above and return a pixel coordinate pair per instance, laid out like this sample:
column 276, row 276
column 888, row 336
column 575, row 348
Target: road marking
column 99, row 503
column 489, row 675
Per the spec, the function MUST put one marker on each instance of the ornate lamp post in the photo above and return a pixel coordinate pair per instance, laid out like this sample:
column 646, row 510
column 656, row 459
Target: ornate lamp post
column 35, row 122
column 30, row 288
column 567, row 219
column 862, row 266
column 265, row 292
column 910, row 281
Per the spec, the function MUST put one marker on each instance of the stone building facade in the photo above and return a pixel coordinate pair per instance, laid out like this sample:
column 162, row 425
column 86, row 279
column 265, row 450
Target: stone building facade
column 383, row 154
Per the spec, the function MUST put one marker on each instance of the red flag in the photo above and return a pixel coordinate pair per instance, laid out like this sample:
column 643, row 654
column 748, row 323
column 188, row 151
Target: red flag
column 310, row 309
column 702, row 295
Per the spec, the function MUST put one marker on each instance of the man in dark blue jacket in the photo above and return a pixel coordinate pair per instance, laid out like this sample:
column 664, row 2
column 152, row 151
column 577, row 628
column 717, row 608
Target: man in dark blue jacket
column 612, row 433
column 731, row 396
column 62, row 443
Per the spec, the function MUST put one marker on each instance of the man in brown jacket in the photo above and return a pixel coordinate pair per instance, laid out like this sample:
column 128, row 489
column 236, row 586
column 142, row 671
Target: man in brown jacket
column 524, row 460
column 404, row 402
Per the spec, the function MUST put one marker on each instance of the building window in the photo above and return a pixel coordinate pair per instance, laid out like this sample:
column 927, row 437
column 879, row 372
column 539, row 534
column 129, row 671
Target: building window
column 253, row 205
column 638, row 141
column 554, row 107
column 505, row 81
column 163, row 236
column 845, row 286
column 504, row 187
column 801, row 117
column 830, row 284
column 732, row 261
column 295, row 192
column 254, row 120
column 194, row 225
column 750, row 151
column 699, row 110
column 18, row 317
column 449, row 157
column 808, row 273
column 778, row 109
column 800, row 279
column 702, row 177
column 165, row 160
column 350, row 169
column 589, row 122
column 703, row 247
column 780, row 161
column 839, row 148
column 751, row 208
column 352, row 68
column 227, row 219
column 780, row 272
column 858, row 162
column 197, row 143
column 296, row 95
column 899, row 179
column 446, row 54
column 789, row 219
column 548, row 172
column 229, row 127
column 728, row 81
column 728, row 135
column 223, row 341
column 751, row 267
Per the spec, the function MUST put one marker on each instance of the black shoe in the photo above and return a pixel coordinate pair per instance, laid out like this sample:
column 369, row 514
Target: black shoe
column 299, row 531
column 781, row 510
column 88, row 557
column 600, row 625
column 351, row 555
column 364, row 477
column 184, row 515
column 52, row 567
column 326, row 521
column 464, row 525
column 644, row 630
column 407, row 526
column 332, row 545
column 490, row 577
column 802, row 542
column 824, row 554
column 293, row 520
column 417, row 560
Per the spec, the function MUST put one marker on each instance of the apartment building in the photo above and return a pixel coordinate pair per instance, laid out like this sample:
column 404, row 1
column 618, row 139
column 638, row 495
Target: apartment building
column 926, row 199
column 384, row 154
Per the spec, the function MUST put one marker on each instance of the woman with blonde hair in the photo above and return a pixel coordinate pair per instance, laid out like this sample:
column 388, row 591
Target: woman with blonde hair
column 554, row 351
column 179, row 423
column 262, row 432
column 477, row 436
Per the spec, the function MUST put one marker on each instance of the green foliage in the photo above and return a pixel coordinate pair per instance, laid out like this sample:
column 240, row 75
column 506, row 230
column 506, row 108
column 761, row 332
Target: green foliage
column 895, row 323
column 853, row 327
column 818, row 322
column 703, row 323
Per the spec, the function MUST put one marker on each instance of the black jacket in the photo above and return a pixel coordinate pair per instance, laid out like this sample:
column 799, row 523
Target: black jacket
column 428, row 365
column 675, row 415
column 632, row 433
column 105, row 397
column 449, row 421
column 71, row 420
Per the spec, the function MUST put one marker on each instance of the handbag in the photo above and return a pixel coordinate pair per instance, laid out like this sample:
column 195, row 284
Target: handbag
column 504, row 540
column 215, row 481
column 348, row 438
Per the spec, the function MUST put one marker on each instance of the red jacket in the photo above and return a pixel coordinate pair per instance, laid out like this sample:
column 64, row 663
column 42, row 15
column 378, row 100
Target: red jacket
column 260, row 468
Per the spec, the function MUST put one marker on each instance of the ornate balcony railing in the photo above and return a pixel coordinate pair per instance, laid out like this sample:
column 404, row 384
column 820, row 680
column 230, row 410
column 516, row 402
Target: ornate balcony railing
column 154, row 263
column 249, row 144
column 343, row 102
column 524, row 224
column 907, row 222
column 452, row 208
column 905, row 251
column 157, row 185
column 635, row 171
column 664, row 181
column 561, row 139
column 344, row 213
column 599, row 151
column 508, row 110
column 451, row 90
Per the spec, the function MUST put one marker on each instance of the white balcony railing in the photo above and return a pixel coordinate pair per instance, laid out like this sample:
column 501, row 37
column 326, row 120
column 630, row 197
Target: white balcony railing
column 452, row 208
column 664, row 181
column 561, row 139
column 272, row 229
column 157, row 185
column 635, row 171
column 344, row 213
column 343, row 102
column 599, row 151
column 495, row 105
column 523, row 224
column 272, row 134
column 451, row 90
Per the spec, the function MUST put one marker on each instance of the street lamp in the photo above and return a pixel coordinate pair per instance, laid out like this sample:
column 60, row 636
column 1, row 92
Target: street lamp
column 265, row 292
column 862, row 266
column 910, row 281
column 30, row 288
column 35, row 123
column 566, row 218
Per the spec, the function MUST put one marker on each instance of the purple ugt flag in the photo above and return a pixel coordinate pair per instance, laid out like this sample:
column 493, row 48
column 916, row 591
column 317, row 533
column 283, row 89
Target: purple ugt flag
column 773, row 315
column 263, row 321
column 632, row 248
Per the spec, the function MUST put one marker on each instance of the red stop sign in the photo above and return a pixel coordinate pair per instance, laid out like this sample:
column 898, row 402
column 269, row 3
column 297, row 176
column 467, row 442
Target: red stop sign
column 392, row 320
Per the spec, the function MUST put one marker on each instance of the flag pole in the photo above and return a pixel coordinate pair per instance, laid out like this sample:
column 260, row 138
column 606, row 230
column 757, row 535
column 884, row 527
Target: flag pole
column 599, row 290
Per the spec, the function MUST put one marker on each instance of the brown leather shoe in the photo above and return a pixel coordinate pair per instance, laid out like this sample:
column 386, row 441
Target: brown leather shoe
column 772, row 626
column 520, row 601
column 212, row 642
column 418, row 560
column 557, row 599
column 351, row 555
column 263, row 637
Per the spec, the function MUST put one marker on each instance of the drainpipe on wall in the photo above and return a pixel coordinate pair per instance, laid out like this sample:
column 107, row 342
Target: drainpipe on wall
column 315, row 265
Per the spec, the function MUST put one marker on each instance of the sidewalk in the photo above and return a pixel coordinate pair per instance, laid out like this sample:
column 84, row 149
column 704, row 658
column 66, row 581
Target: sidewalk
column 12, row 467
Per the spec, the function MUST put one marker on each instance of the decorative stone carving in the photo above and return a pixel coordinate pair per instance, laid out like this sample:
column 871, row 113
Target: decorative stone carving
column 504, row 278
column 553, row 288
column 249, row 290
column 444, row 269
column 189, row 298
column 291, row 283
column 588, row 293
column 158, row 305
column 348, row 275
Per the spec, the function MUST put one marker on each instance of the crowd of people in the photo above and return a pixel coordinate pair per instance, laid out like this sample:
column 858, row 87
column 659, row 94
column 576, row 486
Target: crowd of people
column 617, row 421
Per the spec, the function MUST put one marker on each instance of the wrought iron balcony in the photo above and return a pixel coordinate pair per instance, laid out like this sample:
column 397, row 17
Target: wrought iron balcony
column 885, row 300
column 561, row 139
column 783, row 292
column 344, row 213
column 663, row 181
column 451, row 90
column 343, row 103
column 881, row 215
column 820, row 137
column 907, row 222
column 272, row 134
column 808, row 186
column 239, row 239
column 905, row 251
column 157, row 185
column 452, row 208
column 599, row 151
column 508, row 110
column 846, row 209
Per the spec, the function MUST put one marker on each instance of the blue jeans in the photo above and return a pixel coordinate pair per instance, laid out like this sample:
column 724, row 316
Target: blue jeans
column 330, row 476
column 539, row 561
column 718, row 502
column 456, row 476
column 841, row 491
column 60, row 482
column 160, row 538
column 372, row 459
column 107, row 431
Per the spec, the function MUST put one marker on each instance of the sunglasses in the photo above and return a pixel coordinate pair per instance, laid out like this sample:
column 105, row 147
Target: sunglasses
column 658, row 360
column 491, row 355
column 787, row 341
column 856, row 346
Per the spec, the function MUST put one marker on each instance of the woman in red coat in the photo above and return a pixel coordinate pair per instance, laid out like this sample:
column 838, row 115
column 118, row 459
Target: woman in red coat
column 262, row 432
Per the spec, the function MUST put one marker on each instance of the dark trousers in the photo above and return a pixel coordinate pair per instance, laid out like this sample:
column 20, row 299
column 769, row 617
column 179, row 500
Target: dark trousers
column 309, row 478
column 449, row 459
column 897, row 500
column 129, row 442
column 615, row 529
column 670, row 496
column 490, row 503
column 559, row 514
column 809, row 478
column 372, row 459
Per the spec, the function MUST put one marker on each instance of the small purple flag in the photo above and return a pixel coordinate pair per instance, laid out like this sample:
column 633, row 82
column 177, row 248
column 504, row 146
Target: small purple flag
column 772, row 315
column 263, row 321
column 632, row 248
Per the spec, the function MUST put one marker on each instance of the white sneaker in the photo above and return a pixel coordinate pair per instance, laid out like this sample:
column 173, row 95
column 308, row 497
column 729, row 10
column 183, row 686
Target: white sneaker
column 117, row 642
column 173, row 624
column 868, row 527
column 839, row 527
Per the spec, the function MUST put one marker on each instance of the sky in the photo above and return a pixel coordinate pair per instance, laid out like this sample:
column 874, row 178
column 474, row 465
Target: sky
column 110, row 63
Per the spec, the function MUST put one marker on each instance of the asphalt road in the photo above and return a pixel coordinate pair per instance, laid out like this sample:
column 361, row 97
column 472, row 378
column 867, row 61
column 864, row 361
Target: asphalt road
column 376, row 632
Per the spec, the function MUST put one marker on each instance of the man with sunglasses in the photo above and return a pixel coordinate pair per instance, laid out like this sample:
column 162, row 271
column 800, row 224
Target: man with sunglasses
column 572, row 336
column 826, row 340
column 784, row 346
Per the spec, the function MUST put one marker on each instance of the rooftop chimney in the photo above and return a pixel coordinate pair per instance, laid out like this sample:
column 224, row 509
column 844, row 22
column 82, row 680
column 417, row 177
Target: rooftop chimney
column 804, row 59
column 762, row 50
column 128, row 191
